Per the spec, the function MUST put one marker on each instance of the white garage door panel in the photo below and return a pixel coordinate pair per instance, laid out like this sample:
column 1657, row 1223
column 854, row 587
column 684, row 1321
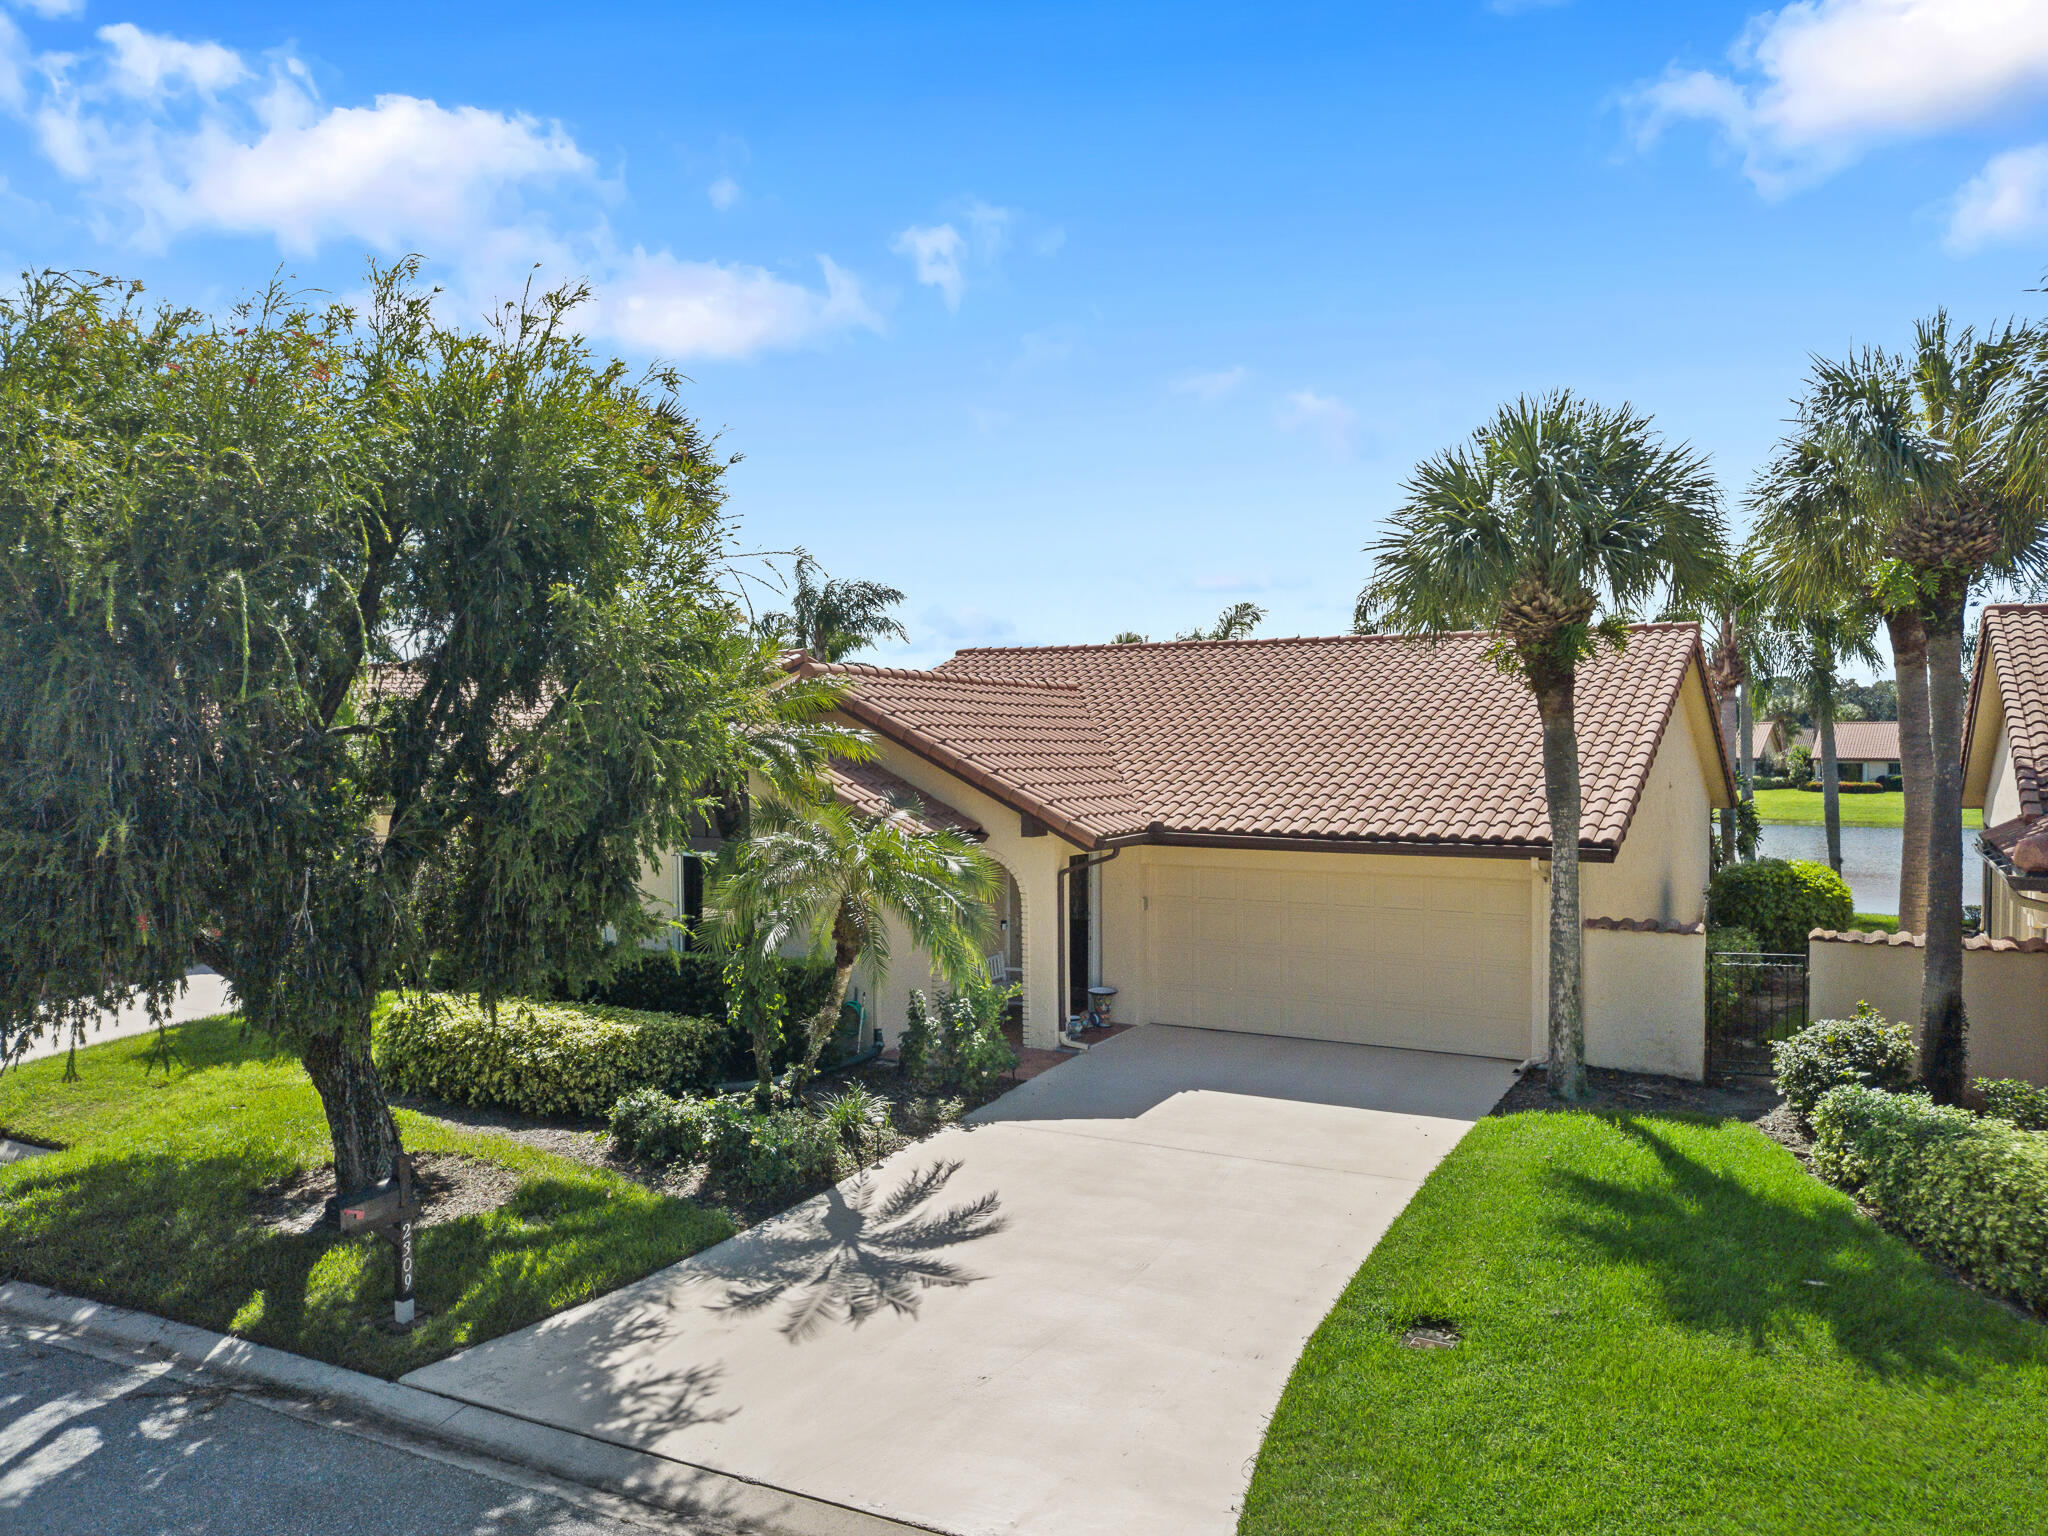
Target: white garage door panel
column 1428, row 960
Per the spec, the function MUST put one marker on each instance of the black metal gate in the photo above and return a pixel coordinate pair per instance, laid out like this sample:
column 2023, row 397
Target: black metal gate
column 1752, row 1000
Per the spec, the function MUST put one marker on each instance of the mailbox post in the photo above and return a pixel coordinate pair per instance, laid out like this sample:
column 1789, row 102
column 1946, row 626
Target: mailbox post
column 389, row 1210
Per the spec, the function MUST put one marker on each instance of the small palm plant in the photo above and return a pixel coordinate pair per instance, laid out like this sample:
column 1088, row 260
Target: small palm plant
column 818, row 873
column 858, row 1116
column 1557, row 521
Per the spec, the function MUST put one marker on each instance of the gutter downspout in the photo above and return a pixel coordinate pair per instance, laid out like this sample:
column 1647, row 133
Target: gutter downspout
column 1065, row 919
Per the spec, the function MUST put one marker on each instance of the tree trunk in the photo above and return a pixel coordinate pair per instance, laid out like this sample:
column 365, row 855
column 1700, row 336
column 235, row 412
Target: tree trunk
column 1745, row 728
column 358, row 1119
column 1942, row 1024
column 1731, row 726
column 1830, row 789
column 845, row 952
column 1916, row 762
column 1555, row 704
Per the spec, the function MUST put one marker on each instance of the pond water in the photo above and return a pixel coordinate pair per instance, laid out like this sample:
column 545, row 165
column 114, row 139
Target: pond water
column 1870, row 859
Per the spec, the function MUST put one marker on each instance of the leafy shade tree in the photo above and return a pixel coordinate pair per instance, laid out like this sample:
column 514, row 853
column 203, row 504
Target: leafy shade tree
column 1234, row 623
column 1819, row 540
column 834, row 618
column 819, row 873
column 1947, row 442
column 1557, row 521
column 330, row 643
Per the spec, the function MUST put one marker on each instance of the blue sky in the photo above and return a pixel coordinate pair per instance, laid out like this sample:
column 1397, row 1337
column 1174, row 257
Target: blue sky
column 1067, row 322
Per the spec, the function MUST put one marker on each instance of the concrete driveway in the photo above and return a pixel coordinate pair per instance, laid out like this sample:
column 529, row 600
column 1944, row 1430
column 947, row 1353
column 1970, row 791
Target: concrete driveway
column 1072, row 1315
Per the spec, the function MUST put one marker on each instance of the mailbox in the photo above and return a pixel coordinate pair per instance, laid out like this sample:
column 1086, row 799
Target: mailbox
column 389, row 1210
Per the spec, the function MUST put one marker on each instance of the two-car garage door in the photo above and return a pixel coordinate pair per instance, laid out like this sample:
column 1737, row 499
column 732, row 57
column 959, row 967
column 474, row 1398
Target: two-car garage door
column 1421, row 952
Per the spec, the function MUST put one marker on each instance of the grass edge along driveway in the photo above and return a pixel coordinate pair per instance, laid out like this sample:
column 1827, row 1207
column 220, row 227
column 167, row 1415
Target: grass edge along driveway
column 1668, row 1325
column 149, row 1207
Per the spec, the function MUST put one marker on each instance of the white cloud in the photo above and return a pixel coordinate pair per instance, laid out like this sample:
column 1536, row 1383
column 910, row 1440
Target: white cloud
column 990, row 226
column 2007, row 200
column 1303, row 410
column 170, row 137
column 723, row 193
column 1815, row 83
column 148, row 64
column 935, row 253
column 709, row 309
column 53, row 8
column 1212, row 385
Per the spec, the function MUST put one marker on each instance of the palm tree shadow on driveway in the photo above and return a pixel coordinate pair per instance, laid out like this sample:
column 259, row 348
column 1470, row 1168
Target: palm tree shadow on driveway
column 853, row 1252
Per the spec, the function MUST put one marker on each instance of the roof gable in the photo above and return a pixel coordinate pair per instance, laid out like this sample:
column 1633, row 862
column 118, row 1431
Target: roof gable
column 1363, row 741
column 2009, row 687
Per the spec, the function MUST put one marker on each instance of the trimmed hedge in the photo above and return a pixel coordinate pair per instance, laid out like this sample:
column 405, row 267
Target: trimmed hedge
column 2010, row 1099
column 1972, row 1189
column 783, row 1153
column 1865, row 1051
column 542, row 1058
column 1847, row 787
column 692, row 983
column 1780, row 901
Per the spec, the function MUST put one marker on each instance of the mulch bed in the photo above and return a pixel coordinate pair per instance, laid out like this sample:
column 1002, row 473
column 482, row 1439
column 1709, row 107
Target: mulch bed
column 1639, row 1093
column 448, row 1186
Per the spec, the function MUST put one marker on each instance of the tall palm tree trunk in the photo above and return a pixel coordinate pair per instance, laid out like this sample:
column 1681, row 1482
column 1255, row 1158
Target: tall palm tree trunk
column 1942, row 1023
column 1745, row 729
column 1555, row 703
column 1916, row 762
column 1831, row 790
column 1731, row 726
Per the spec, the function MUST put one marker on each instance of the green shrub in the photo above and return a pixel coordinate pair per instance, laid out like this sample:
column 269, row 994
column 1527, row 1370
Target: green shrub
column 1864, row 1051
column 955, row 1047
column 692, row 983
column 1772, row 781
column 779, row 1155
column 1721, row 989
column 541, row 1058
column 2010, row 1099
column 1799, row 765
column 858, row 1116
column 647, row 1123
column 1973, row 1190
column 1846, row 786
column 1779, row 901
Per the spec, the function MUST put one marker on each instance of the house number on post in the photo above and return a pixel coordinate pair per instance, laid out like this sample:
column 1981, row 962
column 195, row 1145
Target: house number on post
column 389, row 1210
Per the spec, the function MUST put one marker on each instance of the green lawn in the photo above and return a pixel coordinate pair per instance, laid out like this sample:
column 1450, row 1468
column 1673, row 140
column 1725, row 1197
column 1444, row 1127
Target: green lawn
column 1805, row 807
column 1646, row 1349
column 149, row 1207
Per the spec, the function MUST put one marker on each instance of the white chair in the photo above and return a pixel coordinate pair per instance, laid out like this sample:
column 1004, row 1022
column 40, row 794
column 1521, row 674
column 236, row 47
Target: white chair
column 999, row 970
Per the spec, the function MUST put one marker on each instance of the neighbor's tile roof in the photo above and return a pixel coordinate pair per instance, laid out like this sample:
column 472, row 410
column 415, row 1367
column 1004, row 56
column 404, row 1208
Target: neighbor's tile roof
column 1355, row 739
column 2015, row 638
column 873, row 790
column 1858, row 741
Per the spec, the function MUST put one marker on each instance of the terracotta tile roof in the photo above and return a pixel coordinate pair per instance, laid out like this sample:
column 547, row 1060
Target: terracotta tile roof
column 2014, row 638
column 1028, row 743
column 1858, row 741
column 873, row 790
column 400, row 680
column 1356, row 740
column 1642, row 925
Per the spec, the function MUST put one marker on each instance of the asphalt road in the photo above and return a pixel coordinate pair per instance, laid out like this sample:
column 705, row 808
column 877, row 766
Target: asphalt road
column 124, row 1446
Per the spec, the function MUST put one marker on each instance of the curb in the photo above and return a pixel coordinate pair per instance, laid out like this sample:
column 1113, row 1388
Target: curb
column 717, row 1501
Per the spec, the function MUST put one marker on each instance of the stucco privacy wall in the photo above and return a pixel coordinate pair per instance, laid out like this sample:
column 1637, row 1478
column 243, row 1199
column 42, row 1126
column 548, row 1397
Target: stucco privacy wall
column 1646, row 1002
column 2005, row 994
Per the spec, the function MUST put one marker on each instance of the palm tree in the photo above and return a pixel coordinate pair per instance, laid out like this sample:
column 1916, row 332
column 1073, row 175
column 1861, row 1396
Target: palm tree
column 832, row 619
column 1946, row 442
column 1557, row 521
column 1818, row 541
column 1810, row 652
column 821, row 874
column 1233, row 623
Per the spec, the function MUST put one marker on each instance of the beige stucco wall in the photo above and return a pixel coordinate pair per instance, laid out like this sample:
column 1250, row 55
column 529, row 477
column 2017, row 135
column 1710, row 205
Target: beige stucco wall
column 2010, row 914
column 2005, row 994
column 2001, row 788
column 1662, row 868
column 1033, row 861
column 1646, row 1002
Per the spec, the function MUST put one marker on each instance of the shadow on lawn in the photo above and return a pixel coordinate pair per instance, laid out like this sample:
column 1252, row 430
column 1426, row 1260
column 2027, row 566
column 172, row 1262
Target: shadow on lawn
column 1731, row 1259
column 174, row 1236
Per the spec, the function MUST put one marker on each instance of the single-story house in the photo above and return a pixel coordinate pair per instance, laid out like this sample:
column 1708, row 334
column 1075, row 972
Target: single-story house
column 2005, row 767
column 1341, row 838
column 1767, row 745
column 1864, row 749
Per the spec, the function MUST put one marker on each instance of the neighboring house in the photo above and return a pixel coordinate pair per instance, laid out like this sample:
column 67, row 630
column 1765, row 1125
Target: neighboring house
column 1864, row 749
column 1767, row 745
column 2005, row 767
column 1340, row 838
